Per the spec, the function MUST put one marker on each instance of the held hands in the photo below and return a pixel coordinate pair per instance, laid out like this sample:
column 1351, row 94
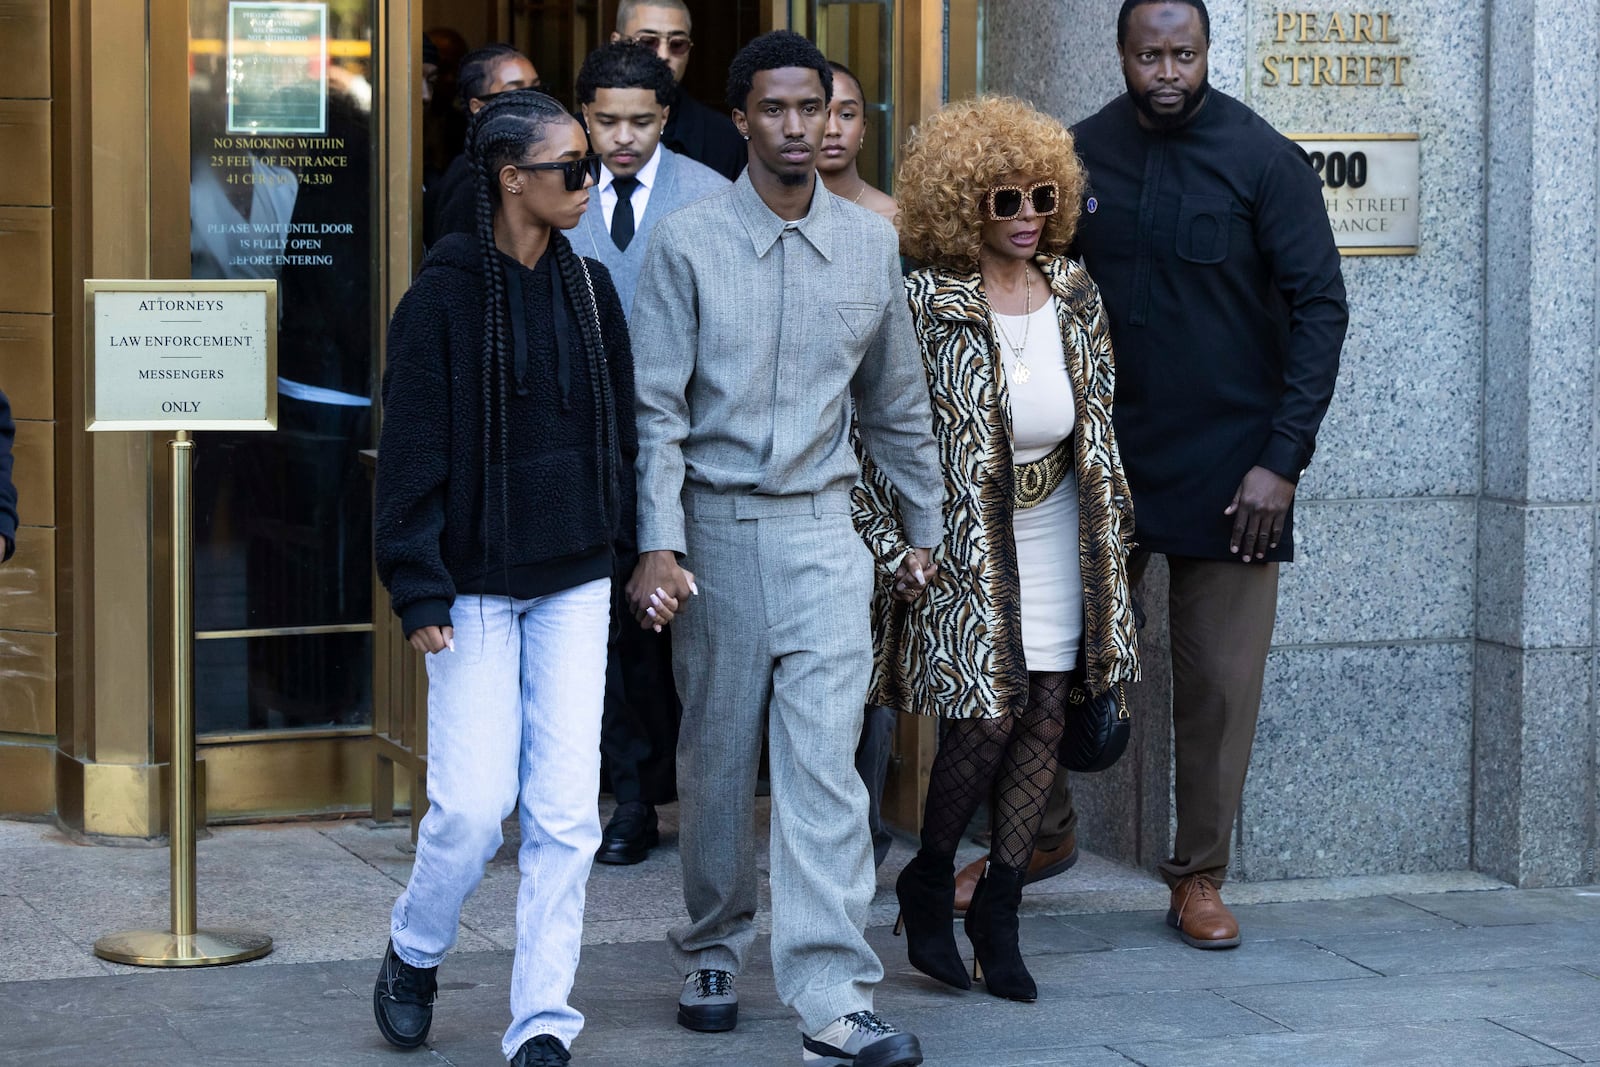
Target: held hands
column 433, row 638
column 917, row 571
column 1259, row 509
column 657, row 588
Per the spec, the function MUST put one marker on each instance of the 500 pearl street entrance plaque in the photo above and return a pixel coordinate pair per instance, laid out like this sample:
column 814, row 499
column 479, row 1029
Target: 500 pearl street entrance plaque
column 182, row 355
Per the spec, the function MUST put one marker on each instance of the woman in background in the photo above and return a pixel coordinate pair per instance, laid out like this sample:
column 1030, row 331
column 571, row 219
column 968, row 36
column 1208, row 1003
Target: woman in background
column 842, row 141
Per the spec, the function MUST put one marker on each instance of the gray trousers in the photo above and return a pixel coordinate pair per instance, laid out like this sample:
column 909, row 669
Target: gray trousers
column 777, row 639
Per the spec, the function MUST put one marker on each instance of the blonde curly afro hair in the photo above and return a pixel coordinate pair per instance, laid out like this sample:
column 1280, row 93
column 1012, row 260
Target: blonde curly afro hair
column 963, row 150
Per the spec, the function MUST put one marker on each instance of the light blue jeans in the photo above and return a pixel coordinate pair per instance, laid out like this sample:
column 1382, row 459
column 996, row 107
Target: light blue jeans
column 514, row 721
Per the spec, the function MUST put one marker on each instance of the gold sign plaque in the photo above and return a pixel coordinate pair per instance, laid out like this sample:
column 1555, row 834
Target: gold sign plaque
column 181, row 355
column 1369, row 187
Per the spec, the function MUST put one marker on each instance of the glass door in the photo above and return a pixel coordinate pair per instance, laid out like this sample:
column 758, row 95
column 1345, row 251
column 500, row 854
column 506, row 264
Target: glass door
column 282, row 99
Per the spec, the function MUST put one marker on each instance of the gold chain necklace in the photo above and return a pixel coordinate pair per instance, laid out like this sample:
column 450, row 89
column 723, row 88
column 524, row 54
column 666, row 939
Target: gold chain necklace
column 1019, row 369
column 857, row 198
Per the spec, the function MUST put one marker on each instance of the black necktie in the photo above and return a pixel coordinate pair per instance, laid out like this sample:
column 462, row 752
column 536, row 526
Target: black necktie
column 622, row 214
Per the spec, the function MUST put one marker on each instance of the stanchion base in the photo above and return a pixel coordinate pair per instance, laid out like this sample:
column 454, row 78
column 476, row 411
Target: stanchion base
column 162, row 948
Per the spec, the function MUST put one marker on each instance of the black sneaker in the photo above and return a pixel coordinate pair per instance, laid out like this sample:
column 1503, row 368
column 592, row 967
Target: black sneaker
column 402, row 1000
column 708, row 1003
column 630, row 835
column 546, row 1050
column 861, row 1039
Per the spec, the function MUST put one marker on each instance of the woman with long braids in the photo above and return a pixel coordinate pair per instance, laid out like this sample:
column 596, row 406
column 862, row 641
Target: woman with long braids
column 505, row 489
column 1032, row 595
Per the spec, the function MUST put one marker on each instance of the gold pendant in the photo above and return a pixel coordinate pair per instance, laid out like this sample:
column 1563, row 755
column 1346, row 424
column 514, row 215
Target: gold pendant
column 1021, row 373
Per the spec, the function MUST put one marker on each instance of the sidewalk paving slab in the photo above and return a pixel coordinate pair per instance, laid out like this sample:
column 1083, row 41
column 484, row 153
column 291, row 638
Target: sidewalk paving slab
column 1368, row 1002
column 1576, row 1033
column 1478, row 948
column 1465, row 1043
column 1531, row 906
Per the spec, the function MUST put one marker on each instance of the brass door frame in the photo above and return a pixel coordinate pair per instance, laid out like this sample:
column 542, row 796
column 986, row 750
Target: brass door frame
column 399, row 742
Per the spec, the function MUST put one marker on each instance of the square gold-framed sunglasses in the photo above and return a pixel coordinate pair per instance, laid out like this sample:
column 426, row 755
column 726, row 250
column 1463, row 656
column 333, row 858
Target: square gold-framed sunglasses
column 1004, row 202
column 574, row 172
column 677, row 44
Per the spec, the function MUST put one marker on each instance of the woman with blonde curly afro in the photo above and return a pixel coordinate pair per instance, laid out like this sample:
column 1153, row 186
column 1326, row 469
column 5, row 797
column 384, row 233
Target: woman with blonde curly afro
column 1029, row 607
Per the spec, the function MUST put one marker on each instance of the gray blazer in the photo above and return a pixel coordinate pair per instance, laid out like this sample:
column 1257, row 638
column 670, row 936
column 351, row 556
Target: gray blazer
column 680, row 181
column 751, row 338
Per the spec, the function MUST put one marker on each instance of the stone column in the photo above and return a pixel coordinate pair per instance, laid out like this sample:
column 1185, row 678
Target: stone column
column 1364, row 758
column 1534, row 805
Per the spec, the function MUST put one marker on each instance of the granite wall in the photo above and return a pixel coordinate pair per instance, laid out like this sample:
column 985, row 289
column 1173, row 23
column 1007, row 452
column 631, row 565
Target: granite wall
column 1431, row 694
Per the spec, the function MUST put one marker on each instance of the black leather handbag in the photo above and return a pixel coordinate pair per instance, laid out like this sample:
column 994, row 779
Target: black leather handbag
column 1097, row 727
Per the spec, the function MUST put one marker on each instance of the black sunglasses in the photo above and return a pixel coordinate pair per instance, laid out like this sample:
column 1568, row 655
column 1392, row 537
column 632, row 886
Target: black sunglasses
column 573, row 171
column 1004, row 202
column 678, row 46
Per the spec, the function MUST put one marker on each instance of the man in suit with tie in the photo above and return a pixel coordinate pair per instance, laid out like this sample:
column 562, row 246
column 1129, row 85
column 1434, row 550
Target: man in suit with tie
column 625, row 90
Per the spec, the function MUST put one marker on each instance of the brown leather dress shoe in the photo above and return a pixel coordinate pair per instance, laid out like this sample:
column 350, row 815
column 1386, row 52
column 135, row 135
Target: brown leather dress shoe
column 1044, row 863
column 1200, row 916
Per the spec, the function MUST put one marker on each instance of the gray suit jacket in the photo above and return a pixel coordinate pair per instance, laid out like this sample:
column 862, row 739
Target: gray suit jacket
column 751, row 335
column 680, row 181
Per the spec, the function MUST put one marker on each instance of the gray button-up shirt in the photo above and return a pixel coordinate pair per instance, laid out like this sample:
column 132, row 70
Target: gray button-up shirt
column 750, row 335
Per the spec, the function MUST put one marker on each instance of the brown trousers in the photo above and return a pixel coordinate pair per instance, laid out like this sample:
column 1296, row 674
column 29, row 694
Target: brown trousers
column 1221, row 616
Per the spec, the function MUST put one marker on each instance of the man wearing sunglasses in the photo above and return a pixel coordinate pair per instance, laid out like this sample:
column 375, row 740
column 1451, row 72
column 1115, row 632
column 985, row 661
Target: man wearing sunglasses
column 1206, row 232
column 692, row 129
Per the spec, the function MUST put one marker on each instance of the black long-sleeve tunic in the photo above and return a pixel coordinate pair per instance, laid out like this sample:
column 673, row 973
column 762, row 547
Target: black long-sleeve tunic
column 1214, row 257
column 441, row 526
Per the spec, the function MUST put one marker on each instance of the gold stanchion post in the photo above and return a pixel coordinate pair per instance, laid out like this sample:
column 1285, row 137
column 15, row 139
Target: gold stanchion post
column 183, row 945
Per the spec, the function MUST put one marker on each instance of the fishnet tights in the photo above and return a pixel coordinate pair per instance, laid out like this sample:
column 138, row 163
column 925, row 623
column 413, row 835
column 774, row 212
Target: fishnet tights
column 1013, row 756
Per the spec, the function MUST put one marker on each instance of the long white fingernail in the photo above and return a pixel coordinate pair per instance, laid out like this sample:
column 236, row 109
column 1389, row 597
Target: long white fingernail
column 650, row 612
column 695, row 589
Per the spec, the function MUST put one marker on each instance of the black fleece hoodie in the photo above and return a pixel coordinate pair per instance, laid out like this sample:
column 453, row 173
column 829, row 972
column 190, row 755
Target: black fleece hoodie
column 438, row 529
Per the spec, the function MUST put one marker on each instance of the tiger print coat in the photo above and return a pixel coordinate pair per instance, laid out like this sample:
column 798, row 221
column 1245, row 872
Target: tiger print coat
column 957, row 651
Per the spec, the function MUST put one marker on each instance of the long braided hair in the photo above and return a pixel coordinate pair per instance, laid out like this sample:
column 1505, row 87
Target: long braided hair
column 501, row 133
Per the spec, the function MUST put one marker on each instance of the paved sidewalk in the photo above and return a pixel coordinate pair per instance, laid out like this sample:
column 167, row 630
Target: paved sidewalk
column 1446, row 970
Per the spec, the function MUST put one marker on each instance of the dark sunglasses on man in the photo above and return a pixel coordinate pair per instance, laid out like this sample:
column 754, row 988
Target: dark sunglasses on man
column 677, row 45
column 1004, row 202
column 573, row 171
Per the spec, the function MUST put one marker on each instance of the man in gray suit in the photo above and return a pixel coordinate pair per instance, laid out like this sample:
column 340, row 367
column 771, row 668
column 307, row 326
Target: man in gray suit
column 761, row 312
column 624, row 89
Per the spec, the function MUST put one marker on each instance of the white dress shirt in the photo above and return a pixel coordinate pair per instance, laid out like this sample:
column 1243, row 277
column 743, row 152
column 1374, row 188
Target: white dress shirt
column 641, row 192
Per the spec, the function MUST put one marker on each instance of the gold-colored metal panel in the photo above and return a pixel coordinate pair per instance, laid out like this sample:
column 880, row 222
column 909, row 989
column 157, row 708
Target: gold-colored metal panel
column 275, row 777
column 28, row 582
column 25, row 259
column 25, row 146
column 27, row 780
column 27, row 683
column 25, row 48
column 25, row 364
column 121, row 799
column 35, row 472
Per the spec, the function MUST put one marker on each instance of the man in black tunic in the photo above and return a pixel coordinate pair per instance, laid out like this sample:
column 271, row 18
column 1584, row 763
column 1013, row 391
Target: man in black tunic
column 1206, row 232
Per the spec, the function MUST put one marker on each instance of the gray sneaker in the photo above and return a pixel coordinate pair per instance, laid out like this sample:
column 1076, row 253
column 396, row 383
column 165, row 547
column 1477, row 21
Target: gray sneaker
column 708, row 1003
column 862, row 1039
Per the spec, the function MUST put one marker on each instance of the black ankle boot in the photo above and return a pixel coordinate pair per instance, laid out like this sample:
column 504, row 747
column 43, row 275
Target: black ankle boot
column 992, row 927
column 927, row 893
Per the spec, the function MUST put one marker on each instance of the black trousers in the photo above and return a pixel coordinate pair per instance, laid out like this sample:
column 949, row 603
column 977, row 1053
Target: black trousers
column 639, row 727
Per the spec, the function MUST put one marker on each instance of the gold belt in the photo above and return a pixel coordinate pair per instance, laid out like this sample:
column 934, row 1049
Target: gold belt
column 1034, row 482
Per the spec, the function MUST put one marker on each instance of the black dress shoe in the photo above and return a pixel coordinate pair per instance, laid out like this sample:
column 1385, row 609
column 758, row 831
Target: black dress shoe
column 402, row 1000
column 546, row 1050
column 630, row 835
